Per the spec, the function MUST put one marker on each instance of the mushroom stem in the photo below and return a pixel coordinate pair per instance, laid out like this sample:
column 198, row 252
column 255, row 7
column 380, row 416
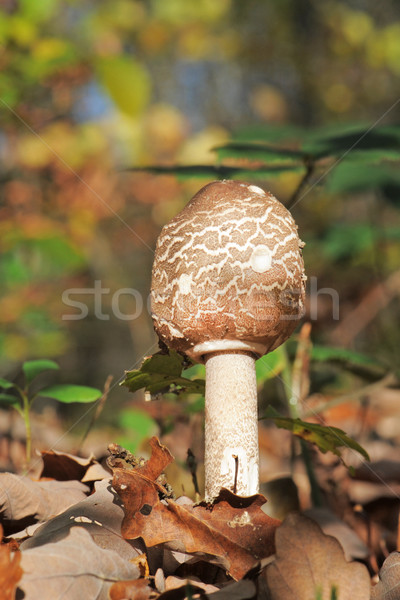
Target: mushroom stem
column 231, row 424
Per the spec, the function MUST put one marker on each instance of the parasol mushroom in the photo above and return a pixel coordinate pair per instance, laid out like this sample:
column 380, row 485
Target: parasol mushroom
column 228, row 287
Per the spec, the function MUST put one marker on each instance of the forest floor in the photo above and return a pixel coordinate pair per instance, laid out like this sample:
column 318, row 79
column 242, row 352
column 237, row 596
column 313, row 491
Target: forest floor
column 113, row 526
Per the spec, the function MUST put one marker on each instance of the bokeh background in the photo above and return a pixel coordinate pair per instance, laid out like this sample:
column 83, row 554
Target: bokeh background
column 90, row 88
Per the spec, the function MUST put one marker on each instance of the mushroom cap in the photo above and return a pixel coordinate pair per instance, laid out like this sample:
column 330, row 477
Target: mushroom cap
column 228, row 273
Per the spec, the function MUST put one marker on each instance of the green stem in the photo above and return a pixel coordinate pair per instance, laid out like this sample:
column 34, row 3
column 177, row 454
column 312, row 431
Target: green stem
column 294, row 411
column 316, row 497
column 28, row 430
column 296, row 197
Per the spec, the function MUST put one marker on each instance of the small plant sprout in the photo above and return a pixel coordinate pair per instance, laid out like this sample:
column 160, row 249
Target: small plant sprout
column 22, row 397
column 228, row 287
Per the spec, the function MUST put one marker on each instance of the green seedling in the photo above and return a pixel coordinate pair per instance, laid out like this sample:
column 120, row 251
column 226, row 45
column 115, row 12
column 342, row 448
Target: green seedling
column 22, row 397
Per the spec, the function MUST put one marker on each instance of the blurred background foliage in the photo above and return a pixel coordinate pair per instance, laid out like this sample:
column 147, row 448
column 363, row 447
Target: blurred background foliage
column 91, row 88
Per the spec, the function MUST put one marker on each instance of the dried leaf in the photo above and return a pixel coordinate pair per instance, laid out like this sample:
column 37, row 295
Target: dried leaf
column 73, row 569
column 100, row 515
column 160, row 459
column 241, row 520
column 379, row 471
column 136, row 589
column 176, row 583
column 330, row 524
column 95, row 472
column 234, row 530
column 22, row 499
column 388, row 587
column 63, row 467
column 188, row 591
column 309, row 563
column 240, row 590
column 10, row 570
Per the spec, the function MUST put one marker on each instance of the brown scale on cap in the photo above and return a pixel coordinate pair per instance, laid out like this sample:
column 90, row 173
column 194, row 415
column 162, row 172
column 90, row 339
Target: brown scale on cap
column 228, row 267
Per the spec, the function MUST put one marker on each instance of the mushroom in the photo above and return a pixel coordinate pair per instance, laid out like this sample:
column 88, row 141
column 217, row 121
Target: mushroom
column 227, row 288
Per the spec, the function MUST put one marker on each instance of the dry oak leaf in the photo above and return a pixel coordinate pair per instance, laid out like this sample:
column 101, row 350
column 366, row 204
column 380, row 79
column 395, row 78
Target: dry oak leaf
column 233, row 530
column 10, row 570
column 73, row 569
column 137, row 589
column 27, row 501
column 309, row 564
column 174, row 583
column 330, row 524
column 63, row 466
column 100, row 514
column 388, row 587
column 240, row 590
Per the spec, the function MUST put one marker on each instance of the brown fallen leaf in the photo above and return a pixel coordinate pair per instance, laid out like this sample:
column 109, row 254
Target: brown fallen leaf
column 100, row 514
column 309, row 563
column 240, row 520
column 388, row 587
column 95, row 472
column 380, row 471
column 240, row 590
column 137, row 589
column 64, row 467
column 233, row 530
column 74, row 568
column 160, row 458
column 174, row 583
column 23, row 501
column 330, row 524
column 10, row 570
column 188, row 591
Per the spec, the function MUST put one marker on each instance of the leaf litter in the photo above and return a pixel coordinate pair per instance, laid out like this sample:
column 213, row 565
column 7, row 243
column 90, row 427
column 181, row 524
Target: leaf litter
column 122, row 535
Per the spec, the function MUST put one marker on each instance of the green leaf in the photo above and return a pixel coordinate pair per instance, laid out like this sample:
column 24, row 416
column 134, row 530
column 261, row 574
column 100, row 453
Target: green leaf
column 127, row 81
column 162, row 373
column 345, row 240
column 380, row 143
column 270, row 365
column 327, row 439
column 196, row 406
column 9, row 399
column 39, row 260
column 5, row 384
column 259, row 152
column 269, row 133
column 183, row 172
column 196, row 370
column 355, row 362
column 350, row 176
column 328, row 353
column 138, row 425
column 33, row 368
column 38, row 11
column 69, row 394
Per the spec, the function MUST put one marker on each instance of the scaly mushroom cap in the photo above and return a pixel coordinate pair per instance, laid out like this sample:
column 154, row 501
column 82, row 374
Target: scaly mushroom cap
column 228, row 273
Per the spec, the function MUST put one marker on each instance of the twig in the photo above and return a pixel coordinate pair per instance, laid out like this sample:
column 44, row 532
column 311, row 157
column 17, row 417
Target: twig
column 389, row 380
column 95, row 415
column 192, row 466
column 372, row 303
column 296, row 384
column 310, row 168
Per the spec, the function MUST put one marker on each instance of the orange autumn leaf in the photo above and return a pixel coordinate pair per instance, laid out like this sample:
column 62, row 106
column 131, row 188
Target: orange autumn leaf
column 10, row 570
column 233, row 529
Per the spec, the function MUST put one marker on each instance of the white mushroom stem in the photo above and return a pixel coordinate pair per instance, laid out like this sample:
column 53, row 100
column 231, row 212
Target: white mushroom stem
column 231, row 424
